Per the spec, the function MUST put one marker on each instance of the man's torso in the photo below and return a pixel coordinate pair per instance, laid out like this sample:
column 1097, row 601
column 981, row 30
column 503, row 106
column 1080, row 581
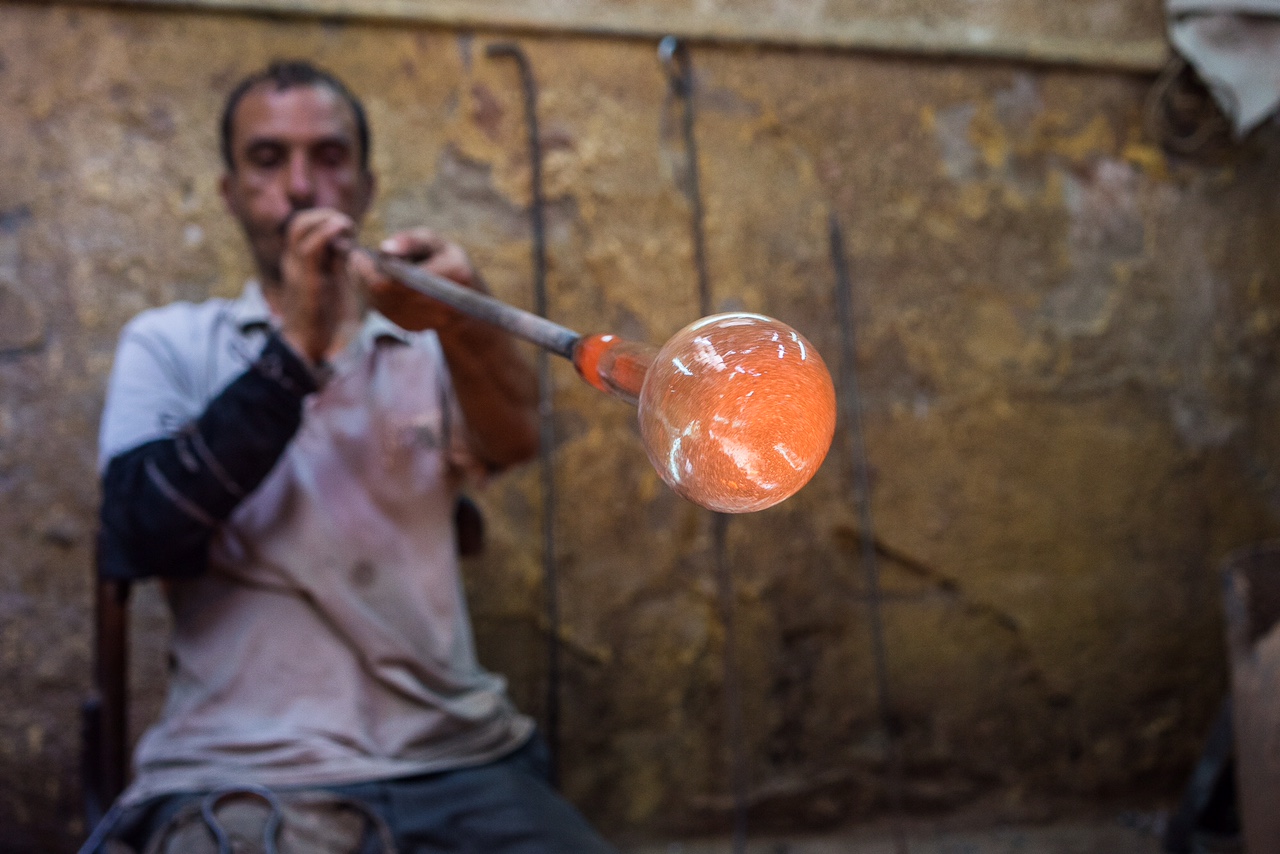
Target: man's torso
column 329, row 640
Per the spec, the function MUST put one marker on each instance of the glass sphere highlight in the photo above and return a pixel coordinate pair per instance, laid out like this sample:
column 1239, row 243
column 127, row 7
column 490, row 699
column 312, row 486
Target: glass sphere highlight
column 737, row 412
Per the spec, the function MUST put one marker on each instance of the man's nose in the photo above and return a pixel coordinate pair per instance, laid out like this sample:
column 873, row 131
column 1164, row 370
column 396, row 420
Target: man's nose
column 302, row 186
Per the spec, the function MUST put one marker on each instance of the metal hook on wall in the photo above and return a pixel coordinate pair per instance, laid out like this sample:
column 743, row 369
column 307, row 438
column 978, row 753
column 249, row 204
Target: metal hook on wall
column 546, row 425
column 678, row 65
column 852, row 398
column 676, row 62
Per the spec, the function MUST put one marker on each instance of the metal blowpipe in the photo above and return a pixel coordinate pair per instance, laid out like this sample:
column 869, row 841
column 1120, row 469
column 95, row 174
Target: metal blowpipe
column 737, row 410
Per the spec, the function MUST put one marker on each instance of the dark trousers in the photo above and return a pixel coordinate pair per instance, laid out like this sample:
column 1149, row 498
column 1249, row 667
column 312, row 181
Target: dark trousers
column 503, row 807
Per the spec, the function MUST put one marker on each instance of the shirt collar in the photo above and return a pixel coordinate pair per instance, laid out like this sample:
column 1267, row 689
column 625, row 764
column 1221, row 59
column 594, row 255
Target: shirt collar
column 251, row 310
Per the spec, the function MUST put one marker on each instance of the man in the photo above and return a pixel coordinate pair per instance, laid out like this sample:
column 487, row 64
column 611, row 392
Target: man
column 289, row 461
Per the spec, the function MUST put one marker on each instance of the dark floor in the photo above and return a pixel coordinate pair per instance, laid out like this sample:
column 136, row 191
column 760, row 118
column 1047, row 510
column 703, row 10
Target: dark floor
column 1099, row 837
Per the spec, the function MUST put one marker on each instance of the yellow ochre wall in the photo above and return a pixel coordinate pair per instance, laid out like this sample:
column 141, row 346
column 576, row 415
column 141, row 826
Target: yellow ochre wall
column 1066, row 345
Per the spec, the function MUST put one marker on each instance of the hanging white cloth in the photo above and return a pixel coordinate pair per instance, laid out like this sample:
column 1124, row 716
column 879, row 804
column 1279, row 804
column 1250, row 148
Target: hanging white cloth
column 1234, row 46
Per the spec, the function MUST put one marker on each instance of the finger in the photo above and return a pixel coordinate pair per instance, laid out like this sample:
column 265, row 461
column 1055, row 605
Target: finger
column 452, row 263
column 365, row 271
column 300, row 222
column 415, row 244
column 304, row 224
column 316, row 239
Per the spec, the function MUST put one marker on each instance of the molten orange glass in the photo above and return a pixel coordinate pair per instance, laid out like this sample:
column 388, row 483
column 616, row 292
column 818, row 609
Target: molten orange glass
column 737, row 411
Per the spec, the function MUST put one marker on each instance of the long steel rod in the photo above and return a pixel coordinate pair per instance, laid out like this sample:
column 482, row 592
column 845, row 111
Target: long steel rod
column 870, row 564
column 525, row 325
column 546, row 398
column 674, row 55
column 675, row 59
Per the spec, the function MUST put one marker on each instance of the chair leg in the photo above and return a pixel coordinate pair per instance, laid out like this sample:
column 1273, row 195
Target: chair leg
column 91, row 760
column 105, row 714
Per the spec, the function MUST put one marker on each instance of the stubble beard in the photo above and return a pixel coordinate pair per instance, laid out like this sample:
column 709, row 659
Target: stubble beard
column 266, row 243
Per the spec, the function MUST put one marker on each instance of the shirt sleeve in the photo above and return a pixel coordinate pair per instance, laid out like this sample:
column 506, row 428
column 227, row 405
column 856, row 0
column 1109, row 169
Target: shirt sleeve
column 466, row 467
column 166, row 489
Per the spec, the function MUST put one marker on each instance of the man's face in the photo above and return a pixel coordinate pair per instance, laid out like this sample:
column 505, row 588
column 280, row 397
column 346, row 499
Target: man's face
column 292, row 149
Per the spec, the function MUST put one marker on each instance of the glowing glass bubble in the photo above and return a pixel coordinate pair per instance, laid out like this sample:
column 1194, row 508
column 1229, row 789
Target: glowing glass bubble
column 737, row 412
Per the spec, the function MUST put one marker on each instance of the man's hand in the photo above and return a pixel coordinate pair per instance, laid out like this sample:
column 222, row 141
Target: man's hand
column 401, row 304
column 318, row 302
column 496, row 387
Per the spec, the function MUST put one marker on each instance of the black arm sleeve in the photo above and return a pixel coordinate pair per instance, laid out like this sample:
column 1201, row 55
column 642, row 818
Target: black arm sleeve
column 162, row 501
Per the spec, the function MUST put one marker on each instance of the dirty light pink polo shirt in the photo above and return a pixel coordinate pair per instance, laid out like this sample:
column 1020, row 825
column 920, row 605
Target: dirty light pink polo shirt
column 329, row 641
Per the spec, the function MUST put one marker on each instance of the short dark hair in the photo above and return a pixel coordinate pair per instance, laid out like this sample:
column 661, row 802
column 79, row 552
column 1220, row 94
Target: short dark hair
column 286, row 74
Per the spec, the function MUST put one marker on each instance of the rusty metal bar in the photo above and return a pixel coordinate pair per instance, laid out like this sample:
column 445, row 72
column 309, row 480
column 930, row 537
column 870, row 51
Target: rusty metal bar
column 546, row 396
column 111, row 675
column 674, row 56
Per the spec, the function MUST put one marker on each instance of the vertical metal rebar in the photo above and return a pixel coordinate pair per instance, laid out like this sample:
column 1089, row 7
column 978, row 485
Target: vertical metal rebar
column 546, row 411
column 862, row 487
column 675, row 59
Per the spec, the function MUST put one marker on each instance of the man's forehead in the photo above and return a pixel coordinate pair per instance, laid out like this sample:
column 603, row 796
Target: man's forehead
column 306, row 110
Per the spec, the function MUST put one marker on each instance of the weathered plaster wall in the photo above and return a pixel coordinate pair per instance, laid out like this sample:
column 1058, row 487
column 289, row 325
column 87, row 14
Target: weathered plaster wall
column 1066, row 348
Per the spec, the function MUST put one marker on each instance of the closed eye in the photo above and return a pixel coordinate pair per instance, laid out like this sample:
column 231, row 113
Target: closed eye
column 265, row 154
column 332, row 153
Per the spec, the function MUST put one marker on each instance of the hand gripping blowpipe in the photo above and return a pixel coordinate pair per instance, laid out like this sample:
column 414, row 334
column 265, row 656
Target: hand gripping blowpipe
column 737, row 410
